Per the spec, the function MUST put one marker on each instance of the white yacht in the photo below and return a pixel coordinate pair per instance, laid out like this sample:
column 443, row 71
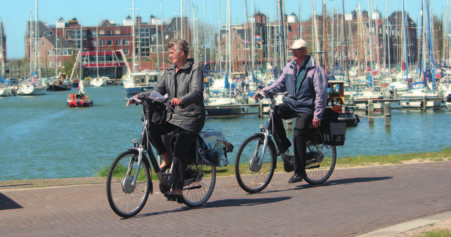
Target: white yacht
column 419, row 91
column 138, row 82
column 99, row 81
column 32, row 87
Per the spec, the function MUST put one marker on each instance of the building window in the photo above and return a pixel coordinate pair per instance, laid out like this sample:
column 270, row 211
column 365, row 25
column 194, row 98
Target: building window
column 49, row 53
column 108, row 32
column 118, row 32
column 102, row 43
column 43, row 42
column 126, row 51
column 94, row 33
column 110, row 42
column 94, row 43
column 118, row 42
column 50, row 64
column 125, row 42
column 66, row 52
column 102, row 32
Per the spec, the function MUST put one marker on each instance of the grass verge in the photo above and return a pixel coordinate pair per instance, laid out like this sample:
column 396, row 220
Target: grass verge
column 345, row 162
column 435, row 233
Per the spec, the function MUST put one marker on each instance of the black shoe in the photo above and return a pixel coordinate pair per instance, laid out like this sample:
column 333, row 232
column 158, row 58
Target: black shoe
column 296, row 178
column 175, row 197
column 164, row 168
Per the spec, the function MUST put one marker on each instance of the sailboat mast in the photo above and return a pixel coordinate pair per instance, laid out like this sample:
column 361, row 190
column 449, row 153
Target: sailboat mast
column 36, row 39
column 431, row 56
column 205, row 35
column 405, row 39
column 245, row 32
column 229, row 38
column 388, row 36
column 97, row 48
column 31, row 38
column 253, row 34
column 333, row 37
column 282, row 35
column 370, row 13
column 133, row 33
column 56, row 49
column 80, row 77
column 219, row 37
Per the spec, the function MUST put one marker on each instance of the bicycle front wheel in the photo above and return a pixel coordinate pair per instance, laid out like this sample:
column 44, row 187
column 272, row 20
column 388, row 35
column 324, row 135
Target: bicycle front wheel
column 320, row 163
column 252, row 170
column 124, row 198
column 199, row 184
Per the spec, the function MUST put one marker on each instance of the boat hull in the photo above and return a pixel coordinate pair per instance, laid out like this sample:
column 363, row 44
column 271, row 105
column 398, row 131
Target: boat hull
column 80, row 103
column 58, row 88
column 29, row 90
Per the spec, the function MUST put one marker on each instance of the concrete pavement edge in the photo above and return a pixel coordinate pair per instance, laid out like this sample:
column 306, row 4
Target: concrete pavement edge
column 402, row 228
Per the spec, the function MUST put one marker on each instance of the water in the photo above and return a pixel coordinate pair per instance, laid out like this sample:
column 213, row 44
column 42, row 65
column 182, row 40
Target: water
column 40, row 137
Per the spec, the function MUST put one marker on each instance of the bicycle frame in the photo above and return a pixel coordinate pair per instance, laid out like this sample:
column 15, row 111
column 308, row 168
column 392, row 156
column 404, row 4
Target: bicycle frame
column 271, row 131
column 144, row 148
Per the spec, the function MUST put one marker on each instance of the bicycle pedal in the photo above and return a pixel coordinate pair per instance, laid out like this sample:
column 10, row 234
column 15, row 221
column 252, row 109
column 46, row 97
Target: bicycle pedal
column 193, row 187
column 312, row 167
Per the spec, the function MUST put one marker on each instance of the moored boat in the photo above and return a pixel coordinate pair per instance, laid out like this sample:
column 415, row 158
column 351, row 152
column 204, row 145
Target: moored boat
column 138, row 82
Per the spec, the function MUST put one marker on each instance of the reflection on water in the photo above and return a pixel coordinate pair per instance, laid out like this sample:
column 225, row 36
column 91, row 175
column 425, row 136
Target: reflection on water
column 42, row 138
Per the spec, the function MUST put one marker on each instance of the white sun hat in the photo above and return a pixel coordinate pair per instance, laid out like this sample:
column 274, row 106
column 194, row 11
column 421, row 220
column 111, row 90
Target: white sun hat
column 300, row 43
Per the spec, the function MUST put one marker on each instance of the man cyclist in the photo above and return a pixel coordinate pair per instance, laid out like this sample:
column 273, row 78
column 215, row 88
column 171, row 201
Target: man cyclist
column 306, row 85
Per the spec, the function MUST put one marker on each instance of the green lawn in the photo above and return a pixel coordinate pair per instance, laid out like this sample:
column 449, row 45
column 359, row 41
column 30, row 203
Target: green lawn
column 435, row 233
column 345, row 162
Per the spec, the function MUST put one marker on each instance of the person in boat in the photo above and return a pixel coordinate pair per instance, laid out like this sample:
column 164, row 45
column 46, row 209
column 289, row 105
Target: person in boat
column 183, row 84
column 306, row 84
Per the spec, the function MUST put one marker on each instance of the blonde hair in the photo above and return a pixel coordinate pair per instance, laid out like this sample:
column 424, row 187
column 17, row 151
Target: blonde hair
column 179, row 44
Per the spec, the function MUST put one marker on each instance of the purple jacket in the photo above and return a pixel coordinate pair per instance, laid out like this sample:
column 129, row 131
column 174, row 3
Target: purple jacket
column 312, row 96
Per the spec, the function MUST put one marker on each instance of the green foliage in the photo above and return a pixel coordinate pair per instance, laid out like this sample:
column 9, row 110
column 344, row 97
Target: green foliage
column 344, row 162
column 436, row 233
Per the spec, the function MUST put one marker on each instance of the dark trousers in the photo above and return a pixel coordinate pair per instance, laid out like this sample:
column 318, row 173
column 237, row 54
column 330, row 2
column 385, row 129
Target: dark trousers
column 183, row 142
column 300, row 135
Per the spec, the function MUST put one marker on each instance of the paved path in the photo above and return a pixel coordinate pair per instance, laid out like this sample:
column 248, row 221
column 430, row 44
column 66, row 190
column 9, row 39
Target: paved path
column 354, row 202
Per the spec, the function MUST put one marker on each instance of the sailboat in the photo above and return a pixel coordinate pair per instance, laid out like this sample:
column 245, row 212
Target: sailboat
column 34, row 85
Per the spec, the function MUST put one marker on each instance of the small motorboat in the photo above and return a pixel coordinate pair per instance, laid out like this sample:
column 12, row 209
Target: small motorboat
column 79, row 100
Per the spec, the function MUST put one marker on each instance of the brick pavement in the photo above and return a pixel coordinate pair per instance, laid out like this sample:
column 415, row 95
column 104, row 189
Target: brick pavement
column 353, row 202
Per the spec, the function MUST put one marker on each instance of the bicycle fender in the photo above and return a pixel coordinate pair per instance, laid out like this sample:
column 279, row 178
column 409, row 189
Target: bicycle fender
column 135, row 149
column 270, row 143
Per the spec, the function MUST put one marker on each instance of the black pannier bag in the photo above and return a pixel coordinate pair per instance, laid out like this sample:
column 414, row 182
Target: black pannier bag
column 333, row 130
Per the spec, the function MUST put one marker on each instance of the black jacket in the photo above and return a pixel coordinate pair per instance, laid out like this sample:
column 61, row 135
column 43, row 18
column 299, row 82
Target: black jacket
column 190, row 88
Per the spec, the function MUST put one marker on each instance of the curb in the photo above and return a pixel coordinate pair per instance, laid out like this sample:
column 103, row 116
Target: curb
column 410, row 225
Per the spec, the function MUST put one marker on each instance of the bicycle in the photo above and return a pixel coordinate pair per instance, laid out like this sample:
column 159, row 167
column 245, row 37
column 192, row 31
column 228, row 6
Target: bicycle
column 129, row 180
column 256, row 159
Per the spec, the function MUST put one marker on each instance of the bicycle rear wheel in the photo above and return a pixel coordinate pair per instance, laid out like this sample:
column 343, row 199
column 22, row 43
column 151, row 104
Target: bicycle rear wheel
column 125, row 199
column 199, row 184
column 320, row 163
column 253, row 176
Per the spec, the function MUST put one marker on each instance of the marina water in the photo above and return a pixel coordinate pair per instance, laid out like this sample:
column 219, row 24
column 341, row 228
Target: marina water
column 42, row 138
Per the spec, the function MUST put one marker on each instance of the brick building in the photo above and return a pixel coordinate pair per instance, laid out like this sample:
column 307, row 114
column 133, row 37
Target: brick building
column 103, row 47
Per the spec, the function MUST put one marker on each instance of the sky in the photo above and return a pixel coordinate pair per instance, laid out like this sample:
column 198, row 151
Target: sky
column 15, row 13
